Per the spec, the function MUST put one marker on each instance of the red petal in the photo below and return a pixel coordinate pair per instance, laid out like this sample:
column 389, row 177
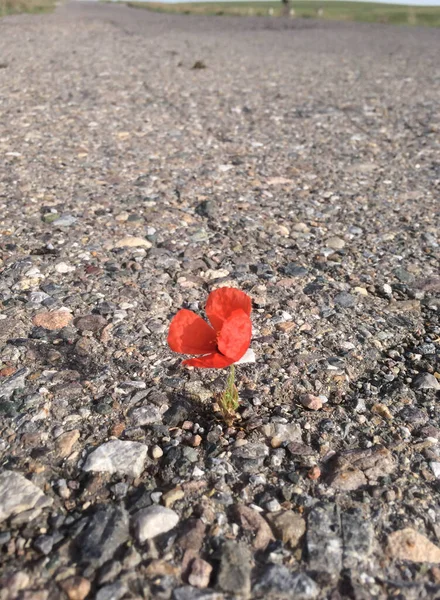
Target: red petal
column 210, row 361
column 190, row 334
column 235, row 335
column 222, row 303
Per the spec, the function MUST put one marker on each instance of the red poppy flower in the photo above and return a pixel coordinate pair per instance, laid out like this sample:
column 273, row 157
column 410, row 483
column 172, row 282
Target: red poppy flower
column 222, row 344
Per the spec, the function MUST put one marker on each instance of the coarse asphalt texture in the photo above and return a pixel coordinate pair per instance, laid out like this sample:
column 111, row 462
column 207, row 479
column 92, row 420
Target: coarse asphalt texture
column 147, row 159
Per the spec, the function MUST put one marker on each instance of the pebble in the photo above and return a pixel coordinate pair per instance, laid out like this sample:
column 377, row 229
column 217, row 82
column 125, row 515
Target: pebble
column 116, row 456
column 92, row 323
column 153, row 521
column 335, row 242
column 63, row 267
column 251, row 520
column 105, row 531
column 234, row 575
column 169, row 498
column 18, row 494
column 426, row 381
column 200, row 573
column 65, row 442
column 133, row 242
column 113, row 591
column 65, row 221
column 277, row 582
column 156, row 452
column 54, row 320
column 145, row 415
column 324, row 544
column 288, row 527
column 408, row 544
column 435, row 466
column 345, row 300
column 311, row 402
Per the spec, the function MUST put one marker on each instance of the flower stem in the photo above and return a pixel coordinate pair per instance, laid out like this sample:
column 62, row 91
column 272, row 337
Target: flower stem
column 229, row 401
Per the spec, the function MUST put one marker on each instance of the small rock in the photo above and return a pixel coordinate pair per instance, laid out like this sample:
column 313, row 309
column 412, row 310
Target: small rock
column 133, row 242
column 145, row 415
column 44, row 544
column 383, row 411
column 345, row 300
column 335, row 242
column 358, row 536
column 65, row 442
column 200, row 573
column 352, row 469
column 426, row 381
column 153, row 521
column 435, row 466
column 156, row 452
column 324, row 544
column 176, row 414
column 90, row 323
column 187, row 592
column 251, row 520
column 104, row 533
column 278, row 583
column 52, row 320
column 408, row 544
column 63, row 267
column 311, row 402
column 113, row 591
column 75, row 587
column 169, row 498
column 13, row 382
column 65, row 221
column 250, row 457
column 413, row 416
column 234, row 574
column 116, row 456
column 18, row 494
column 288, row 527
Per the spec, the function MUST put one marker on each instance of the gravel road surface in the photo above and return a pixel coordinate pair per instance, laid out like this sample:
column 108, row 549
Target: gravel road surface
column 145, row 160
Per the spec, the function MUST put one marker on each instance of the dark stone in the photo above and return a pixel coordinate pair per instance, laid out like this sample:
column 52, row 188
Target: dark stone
column 176, row 414
column 90, row 323
column 294, row 270
column 44, row 544
column 413, row 416
column 250, row 457
column 104, row 533
column 188, row 592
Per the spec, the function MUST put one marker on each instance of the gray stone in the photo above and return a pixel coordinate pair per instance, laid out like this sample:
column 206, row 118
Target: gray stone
column 234, row 574
column 358, row 537
column 153, row 521
column 117, row 456
column 114, row 591
column 249, row 458
column 18, row 494
column 44, row 544
column 324, row 544
column 146, row 415
column 187, row 592
column 104, row 533
column 65, row 221
column 12, row 383
column 345, row 300
column 426, row 381
column 413, row 415
column 278, row 583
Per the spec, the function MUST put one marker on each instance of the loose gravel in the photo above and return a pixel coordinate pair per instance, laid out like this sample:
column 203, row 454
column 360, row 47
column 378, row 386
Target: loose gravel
column 147, row 159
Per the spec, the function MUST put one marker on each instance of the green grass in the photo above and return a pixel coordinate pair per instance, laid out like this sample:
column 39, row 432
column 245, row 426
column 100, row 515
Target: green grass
column 12, row 7
column 326, row 9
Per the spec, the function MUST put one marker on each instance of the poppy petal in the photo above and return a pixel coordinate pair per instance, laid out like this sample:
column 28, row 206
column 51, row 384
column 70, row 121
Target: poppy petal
column 190, row 334
column 235, row 335
column 222, row 303
column 210, row 361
